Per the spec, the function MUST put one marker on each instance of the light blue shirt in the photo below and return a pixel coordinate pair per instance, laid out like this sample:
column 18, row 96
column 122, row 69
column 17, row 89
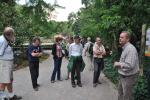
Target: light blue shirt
column 75, row 49
column 6, row 52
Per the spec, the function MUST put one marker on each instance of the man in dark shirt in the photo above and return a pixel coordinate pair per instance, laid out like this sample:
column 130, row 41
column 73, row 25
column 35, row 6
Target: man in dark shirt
column 34, row 52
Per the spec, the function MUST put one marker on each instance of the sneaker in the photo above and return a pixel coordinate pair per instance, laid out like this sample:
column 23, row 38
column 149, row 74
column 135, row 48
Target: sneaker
column 52, row 81
column 67, row 78
column 36, row 89
column 15, row 97
column 38, row 85
column 99, row 82
column 60, row 80
column 73, row 85
column 80, row 85
column 94, row 84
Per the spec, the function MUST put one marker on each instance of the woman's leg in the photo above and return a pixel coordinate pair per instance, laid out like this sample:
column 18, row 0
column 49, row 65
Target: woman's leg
column 59, row 69
column 54, row 70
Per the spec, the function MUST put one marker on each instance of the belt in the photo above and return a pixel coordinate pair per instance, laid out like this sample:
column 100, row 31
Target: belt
column 124, row 76
column 97, row 58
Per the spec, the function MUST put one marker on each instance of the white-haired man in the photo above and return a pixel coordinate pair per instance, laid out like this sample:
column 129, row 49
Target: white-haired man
column 6, row 62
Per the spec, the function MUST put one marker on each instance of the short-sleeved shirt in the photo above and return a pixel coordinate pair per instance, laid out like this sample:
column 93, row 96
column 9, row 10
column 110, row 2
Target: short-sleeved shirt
column 75, row 49
column 98, row 48
column 32, row 49
column 6, row 51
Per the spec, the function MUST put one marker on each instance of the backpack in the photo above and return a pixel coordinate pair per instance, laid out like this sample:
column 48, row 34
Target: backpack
column 90, row 49
column 66, row 53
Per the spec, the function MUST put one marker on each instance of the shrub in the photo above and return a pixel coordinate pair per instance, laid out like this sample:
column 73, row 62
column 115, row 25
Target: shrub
column 141, row 89
column 110, row 71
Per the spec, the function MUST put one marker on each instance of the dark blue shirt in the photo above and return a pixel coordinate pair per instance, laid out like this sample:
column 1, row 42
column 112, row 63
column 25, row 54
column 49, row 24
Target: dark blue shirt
column 36, row 49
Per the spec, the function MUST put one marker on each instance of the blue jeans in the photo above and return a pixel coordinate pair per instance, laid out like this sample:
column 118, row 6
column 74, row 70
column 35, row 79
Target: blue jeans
column 98, row 65
column 57, row 67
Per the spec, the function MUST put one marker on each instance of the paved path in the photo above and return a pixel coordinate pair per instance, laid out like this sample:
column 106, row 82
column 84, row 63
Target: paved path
column 61, row 90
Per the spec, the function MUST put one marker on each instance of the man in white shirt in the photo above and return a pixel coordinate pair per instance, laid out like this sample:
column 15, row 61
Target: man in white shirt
column 75, row 53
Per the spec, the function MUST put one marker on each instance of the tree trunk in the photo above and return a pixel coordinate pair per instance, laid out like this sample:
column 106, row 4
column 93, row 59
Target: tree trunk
column 142, row 49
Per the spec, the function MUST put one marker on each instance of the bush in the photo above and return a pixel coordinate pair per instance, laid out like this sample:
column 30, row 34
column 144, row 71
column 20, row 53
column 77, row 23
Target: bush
column 141, row 89
column 146, row 64
column 110, row 71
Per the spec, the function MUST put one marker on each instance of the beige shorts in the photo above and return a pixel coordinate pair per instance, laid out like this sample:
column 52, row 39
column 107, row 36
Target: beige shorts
column 6, row 71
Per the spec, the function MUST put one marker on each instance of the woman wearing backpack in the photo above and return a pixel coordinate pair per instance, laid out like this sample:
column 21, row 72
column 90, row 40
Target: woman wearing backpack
column 88, row 52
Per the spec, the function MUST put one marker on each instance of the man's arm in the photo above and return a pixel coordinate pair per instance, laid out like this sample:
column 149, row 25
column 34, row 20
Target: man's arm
column 3, row 46
column 70, row 48
column 104, row 51
column 128, row 62
column 81, row 49
column 40, row 51
column 97, row 52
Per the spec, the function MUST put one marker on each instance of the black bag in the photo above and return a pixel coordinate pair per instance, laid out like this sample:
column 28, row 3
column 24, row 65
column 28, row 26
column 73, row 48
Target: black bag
column 90, row 49
column 66, row 53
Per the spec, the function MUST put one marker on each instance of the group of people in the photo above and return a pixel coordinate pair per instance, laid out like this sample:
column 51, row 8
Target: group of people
column 128, row 65
column 74, row 51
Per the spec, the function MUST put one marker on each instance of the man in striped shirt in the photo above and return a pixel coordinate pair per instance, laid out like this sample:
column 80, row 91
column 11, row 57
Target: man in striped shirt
column 128, row 68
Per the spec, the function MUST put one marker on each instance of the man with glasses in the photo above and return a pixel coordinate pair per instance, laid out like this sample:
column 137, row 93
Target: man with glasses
column 6, row 62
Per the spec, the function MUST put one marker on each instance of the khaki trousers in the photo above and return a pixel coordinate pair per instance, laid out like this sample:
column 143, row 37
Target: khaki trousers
column 125, row 87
